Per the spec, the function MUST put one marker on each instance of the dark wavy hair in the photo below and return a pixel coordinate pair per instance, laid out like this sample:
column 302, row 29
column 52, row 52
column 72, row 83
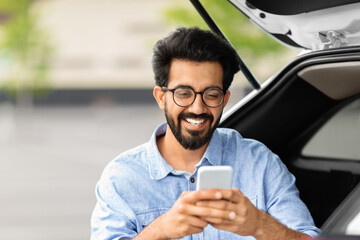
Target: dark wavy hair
column 196, row 45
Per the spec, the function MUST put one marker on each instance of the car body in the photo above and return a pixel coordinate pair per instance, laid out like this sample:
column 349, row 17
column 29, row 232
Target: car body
column 309, row 112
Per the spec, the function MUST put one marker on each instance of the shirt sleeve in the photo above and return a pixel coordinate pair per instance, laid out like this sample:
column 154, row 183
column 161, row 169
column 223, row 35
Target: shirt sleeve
column 282, row 198
column 112, row 218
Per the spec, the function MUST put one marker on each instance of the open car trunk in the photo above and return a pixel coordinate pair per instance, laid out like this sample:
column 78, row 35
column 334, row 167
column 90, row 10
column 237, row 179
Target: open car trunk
column 308, row 24
column 287, row 113
column 309, row 112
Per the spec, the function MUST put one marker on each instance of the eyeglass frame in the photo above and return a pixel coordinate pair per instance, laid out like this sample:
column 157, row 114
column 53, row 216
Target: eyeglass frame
column 201, row 93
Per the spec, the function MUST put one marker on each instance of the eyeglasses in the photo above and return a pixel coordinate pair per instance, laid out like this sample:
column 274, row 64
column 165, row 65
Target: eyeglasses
column 184, row 96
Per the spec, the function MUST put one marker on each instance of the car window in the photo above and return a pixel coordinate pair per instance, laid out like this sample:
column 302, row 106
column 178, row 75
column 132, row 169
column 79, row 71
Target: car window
column 339, row 138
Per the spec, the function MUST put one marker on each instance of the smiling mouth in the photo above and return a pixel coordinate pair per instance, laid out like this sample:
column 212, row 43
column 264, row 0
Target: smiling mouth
column 195, row 121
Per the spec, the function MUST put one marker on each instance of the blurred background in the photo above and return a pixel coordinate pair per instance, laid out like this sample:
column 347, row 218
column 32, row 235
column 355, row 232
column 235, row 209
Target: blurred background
column 76, row 90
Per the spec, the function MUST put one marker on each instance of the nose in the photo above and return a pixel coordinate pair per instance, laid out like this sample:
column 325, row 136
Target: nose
column 198, row 105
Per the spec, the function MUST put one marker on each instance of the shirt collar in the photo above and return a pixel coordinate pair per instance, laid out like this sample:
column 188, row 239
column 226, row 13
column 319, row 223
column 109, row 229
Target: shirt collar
column 159, row 168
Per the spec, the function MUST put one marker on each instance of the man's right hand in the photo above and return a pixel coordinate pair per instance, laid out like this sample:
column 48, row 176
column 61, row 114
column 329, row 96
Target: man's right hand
column 182, row 219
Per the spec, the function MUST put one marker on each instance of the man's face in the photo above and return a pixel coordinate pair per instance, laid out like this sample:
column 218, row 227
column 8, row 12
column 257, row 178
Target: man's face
column 193, row 125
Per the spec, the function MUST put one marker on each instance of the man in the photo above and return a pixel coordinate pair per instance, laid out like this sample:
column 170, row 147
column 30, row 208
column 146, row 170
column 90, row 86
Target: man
column 149, row 192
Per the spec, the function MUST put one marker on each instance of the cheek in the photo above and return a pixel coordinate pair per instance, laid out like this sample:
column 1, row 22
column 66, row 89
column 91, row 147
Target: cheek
column 216, row 115
column 172, row 109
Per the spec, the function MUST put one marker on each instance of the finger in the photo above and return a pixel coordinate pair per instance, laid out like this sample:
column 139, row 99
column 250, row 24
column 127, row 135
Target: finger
column 233, row 195
column 195, row 196
column 196, row 222
column 225, row 227
column 212, row 220
column 187, row 229
column 192, row 230
column 193, row 210
column 218, row 204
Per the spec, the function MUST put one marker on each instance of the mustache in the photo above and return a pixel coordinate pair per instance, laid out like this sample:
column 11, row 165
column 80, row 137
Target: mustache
column 193, row 115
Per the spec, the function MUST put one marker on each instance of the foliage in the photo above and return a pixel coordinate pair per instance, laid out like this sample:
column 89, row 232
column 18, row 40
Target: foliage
column 24, row 50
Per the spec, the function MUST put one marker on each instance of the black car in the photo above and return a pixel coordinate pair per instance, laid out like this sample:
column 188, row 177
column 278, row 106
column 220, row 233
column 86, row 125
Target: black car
column 309, row 112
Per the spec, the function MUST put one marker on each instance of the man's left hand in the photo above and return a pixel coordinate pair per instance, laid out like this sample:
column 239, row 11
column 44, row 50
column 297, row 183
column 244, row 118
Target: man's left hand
column 237, row 214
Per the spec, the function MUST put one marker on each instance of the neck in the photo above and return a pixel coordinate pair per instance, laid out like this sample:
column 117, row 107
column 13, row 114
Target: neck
column 176, row 155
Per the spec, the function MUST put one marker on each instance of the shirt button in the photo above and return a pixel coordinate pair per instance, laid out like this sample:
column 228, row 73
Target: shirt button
column 192, row 180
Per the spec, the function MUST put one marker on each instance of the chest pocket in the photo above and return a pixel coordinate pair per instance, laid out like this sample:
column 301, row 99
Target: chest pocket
column 146, row 217
column 229, row 235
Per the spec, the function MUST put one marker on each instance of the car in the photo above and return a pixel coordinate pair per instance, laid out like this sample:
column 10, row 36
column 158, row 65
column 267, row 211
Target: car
column 309, row 112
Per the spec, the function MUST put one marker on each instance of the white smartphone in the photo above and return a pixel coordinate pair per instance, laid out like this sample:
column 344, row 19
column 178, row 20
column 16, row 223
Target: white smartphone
column 209, row 177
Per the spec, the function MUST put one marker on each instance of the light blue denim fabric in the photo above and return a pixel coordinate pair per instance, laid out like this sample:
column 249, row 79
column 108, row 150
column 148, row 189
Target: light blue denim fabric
column 139, row 185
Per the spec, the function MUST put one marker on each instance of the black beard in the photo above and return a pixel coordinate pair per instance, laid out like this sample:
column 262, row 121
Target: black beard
column 195, row 141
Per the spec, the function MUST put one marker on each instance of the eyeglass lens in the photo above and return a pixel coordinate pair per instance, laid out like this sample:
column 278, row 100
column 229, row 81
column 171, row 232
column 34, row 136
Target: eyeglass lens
column 212, row 97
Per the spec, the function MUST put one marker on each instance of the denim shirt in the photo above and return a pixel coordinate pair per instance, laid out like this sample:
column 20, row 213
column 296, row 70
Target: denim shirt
column 139, row 186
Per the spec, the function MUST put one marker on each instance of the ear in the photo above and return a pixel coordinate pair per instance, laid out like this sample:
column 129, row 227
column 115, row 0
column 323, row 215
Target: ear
column 226, row 97
column 159, row 96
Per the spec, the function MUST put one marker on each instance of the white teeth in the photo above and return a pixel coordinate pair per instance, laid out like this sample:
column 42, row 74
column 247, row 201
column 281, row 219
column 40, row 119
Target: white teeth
column 195, row 121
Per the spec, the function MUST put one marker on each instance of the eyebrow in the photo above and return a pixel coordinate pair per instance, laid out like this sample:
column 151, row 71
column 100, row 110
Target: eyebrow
column 187, row 86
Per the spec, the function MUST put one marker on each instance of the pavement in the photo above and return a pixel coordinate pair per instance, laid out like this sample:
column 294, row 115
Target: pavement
column 51, row 158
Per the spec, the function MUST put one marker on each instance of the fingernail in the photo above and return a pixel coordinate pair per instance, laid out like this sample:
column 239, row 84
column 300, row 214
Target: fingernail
column 232, row 215
column 218, row 195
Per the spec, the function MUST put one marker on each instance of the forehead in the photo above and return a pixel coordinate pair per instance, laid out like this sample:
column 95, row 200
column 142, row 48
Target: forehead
column 198, row 75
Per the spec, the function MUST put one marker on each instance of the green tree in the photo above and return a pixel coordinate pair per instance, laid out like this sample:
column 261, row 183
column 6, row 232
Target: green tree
column 24, row 51
column 254, row 46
